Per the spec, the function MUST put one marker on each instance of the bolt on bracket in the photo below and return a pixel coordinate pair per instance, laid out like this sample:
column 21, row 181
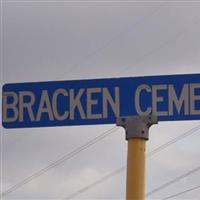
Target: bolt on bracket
column 137, row 126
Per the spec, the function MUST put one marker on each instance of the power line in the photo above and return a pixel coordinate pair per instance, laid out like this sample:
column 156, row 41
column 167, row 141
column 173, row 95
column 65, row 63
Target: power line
column 71, row 154
column 157, row 150
column 106, row 44
column 85, row 146
column 88, row 144
column 183, row 192
column 117, row 171
column 173, row 181
column 76, row 151
column 62, row 159
column 59, row 161
column 171, row 39
column 176, row 139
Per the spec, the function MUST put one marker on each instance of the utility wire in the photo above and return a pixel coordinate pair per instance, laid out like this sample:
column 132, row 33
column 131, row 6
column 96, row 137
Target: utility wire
column 176, row 139
column 76, row 151
column 87, row 145
column 120, row 34
column 163, row 44
column 115, row 172
column 59, row 161
column 162, row 147
column 71, row 154
column 90, row 143
column 183, row 192
column 173, row 181
column 147, row 54
column 156, row 150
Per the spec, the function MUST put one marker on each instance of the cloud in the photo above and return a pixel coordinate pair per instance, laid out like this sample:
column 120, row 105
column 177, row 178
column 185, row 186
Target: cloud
column 53, row 42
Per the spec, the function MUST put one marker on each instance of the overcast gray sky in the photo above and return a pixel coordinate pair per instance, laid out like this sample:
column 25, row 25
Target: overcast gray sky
column 67, row 40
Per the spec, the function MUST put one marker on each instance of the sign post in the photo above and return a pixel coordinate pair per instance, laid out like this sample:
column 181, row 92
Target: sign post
column 137, row 133
column 102, row 101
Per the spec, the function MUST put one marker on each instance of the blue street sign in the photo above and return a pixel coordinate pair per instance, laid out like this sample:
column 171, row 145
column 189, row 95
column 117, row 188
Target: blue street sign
column 100, row 101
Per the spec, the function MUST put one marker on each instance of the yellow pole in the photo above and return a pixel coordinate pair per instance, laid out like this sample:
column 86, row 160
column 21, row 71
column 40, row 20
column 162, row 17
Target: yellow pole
column 137, row 133
column 135, row 189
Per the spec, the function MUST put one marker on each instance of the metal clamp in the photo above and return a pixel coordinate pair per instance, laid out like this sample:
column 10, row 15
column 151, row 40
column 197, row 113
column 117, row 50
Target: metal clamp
column 137, row 126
